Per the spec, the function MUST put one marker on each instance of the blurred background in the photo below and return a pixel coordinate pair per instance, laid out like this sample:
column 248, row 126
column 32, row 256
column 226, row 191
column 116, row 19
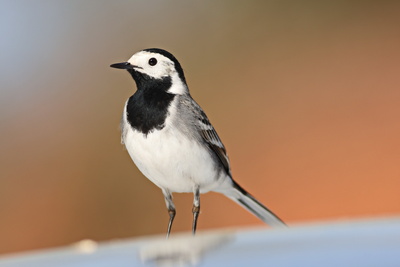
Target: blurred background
column 304, row 94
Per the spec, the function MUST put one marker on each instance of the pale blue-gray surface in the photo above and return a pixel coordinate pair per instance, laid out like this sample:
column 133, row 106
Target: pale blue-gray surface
column 356, row 243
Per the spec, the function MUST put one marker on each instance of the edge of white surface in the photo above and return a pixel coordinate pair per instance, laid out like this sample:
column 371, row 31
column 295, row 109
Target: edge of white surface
column 367, row 242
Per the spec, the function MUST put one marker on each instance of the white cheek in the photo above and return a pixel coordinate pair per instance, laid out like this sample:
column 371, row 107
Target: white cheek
column 156, row 72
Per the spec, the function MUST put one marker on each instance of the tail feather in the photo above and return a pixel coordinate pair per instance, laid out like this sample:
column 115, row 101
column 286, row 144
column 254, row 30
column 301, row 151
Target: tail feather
column 243, row 198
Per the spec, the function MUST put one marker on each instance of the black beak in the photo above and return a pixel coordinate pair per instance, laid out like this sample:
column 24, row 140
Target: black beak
column 123, row 65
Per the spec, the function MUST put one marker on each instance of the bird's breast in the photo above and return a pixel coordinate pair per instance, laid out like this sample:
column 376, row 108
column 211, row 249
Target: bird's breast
column 170, row 159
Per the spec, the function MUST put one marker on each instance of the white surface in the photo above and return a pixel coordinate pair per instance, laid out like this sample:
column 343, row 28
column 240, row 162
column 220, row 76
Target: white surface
column 359, row 243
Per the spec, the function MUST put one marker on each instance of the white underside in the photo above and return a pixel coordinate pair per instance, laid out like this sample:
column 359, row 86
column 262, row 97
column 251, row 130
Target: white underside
column 173, row 162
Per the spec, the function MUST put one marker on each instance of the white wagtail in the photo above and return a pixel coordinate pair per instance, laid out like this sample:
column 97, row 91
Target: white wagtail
column 171, row 140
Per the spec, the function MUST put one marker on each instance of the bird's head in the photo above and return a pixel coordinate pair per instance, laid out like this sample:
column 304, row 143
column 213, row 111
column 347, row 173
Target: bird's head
column 154, row 65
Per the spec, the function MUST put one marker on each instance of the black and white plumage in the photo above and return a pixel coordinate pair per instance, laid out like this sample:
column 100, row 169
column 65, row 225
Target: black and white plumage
column 171, row 140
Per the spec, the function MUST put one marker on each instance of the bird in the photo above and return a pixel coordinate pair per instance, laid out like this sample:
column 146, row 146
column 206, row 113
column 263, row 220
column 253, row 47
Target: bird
column 171, row 140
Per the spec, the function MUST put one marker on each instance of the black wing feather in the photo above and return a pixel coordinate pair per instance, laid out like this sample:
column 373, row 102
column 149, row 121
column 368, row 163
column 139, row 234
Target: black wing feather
column 213, row 141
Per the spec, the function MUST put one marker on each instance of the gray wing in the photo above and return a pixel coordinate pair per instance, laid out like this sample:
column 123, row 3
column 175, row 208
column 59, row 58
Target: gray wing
column 210, row 136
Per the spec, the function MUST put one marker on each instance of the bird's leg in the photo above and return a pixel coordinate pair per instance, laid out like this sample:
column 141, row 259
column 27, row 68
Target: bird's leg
column 171, row 209
column 172, row 213
column 196, row 208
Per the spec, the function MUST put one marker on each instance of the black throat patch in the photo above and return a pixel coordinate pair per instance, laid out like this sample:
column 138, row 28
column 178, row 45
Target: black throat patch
column 147, row 109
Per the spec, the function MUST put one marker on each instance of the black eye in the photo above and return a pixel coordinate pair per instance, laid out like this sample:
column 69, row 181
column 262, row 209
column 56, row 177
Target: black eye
column 152, row 61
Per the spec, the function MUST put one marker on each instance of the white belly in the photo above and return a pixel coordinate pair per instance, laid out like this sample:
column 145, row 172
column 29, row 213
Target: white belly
column 171, row 161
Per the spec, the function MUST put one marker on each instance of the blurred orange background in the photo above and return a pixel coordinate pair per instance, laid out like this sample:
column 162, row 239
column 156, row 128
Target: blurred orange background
column 304, row 94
